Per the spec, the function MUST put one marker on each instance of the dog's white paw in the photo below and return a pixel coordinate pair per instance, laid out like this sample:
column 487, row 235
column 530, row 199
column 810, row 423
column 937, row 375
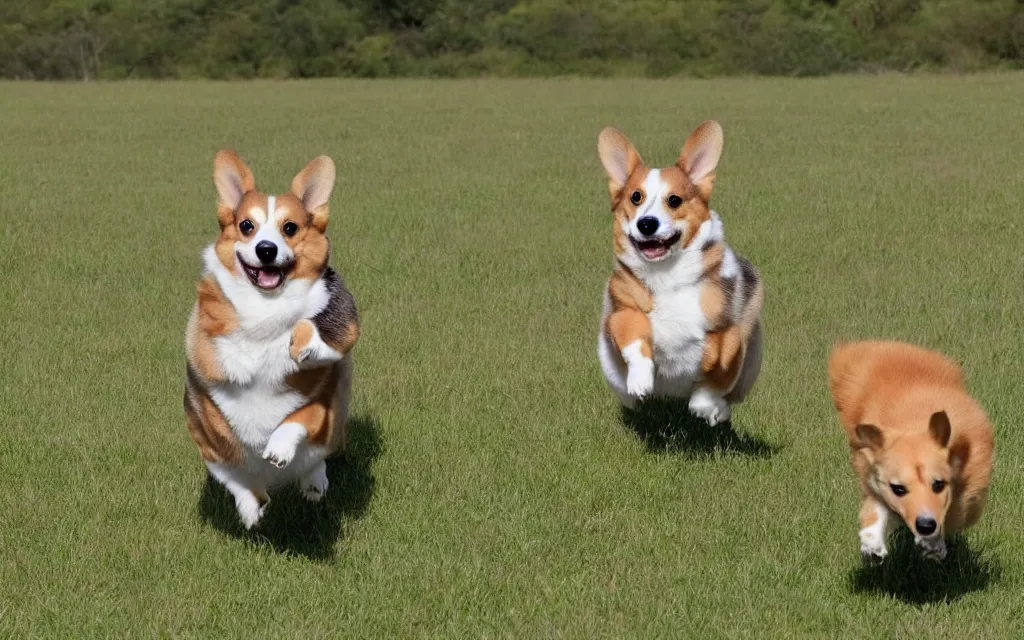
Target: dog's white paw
column 250, row 509
column 283, row 444
column 934, row 550
column 707, row 405
column 872, row 546
column 640, row 378
column 314, row 484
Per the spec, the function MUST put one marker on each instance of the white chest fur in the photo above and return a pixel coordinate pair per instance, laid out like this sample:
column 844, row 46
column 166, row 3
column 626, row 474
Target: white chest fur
column 678, row 325
column 257, row 400
column 255, row 357
column 678, row 328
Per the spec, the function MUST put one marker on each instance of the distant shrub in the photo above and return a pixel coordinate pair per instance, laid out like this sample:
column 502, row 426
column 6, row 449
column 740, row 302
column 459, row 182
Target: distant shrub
column 86, row 39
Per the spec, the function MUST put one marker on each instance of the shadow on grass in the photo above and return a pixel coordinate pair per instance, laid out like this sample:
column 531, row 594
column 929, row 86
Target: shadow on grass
column 667, row 426
column 907, row 576
column 293, row 525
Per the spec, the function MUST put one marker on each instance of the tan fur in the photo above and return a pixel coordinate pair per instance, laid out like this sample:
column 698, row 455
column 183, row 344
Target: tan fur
column 233, row 179
column 312, row 186
column 631, row 302
column 208, row 428
column 889, row 396
column 211, row 316
column 216, row 315
column 628, row 326
column 253, row 207
column 301, row 335
column 318, row 415
column 723, row 357
column 868, row 511
column 347, row 341
column 309, row 244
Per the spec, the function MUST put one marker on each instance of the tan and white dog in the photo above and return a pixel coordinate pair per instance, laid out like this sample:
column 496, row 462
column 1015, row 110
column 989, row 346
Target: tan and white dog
column 268, row 342
column 682, row 309
column 920, row 445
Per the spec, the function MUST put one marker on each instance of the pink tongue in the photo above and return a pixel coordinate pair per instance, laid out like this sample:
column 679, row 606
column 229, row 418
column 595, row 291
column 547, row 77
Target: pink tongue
column 269, row 279
column 654, row 252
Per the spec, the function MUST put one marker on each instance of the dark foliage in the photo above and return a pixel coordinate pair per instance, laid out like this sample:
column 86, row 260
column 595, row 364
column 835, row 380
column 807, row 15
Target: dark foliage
column 85, row 39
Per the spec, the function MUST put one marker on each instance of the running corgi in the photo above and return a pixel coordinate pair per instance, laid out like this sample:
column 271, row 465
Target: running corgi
column 920, row 445
column 682, row 309
column 269, row 340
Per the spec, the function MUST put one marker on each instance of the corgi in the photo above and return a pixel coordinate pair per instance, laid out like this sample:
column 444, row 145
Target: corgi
column 682, row 310
column 920, row 445
column 269, row 340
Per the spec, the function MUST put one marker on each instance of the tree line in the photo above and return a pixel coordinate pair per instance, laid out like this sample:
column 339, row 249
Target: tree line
column 223, row 39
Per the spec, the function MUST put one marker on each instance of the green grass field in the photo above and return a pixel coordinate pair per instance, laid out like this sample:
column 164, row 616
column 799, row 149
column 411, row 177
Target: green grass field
column 494, row 488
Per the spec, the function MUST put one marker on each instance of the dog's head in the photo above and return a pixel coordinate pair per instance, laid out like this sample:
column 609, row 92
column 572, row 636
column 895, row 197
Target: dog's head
column 657, row 211
column 269, row 239
column 914, row 472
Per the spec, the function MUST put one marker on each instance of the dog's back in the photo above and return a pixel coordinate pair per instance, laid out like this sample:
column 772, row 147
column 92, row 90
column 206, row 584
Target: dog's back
column 867, row 377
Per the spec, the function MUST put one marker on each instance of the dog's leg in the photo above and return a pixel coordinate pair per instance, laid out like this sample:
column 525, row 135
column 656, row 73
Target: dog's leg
column 710, row 404
column 314, row 484
column 284, row 443
column 251, row 500
column 875, row 524
column 308, row 349
column 307, row 425
column 721, row 365
column 631, row 331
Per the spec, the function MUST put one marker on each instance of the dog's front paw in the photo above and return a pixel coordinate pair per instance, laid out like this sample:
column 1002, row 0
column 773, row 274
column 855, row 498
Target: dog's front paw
column 711, row 407
column 934, row 550
column 872, row 547
column 251, row 509
column 314, row 484
column 301, row 345
column 283, row 444
column 640, row 378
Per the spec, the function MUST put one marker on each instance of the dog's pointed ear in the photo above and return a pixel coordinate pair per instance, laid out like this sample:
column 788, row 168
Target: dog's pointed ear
column 314, row 185
column 233, row 180
column 619, row 157
column 700, row 156
column 939, row 428
column 870, row 437
column 959, row 454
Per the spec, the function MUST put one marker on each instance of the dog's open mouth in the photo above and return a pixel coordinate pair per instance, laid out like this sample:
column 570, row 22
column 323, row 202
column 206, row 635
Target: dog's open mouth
column 264, row 277
column 657, row 248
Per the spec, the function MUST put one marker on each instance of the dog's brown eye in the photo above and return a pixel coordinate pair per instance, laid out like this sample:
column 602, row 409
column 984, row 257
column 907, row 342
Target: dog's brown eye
column 898, row 489
column 674, row 202
column 246, row 227
column 938, row 486
column 290, row 228
column 636, row 197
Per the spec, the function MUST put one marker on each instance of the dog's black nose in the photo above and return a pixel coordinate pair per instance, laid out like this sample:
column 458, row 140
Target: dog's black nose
column 647, row 225
column 925, row 526
column 266, row 251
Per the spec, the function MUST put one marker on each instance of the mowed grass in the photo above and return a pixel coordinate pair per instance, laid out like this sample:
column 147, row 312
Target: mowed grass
column 494, row 488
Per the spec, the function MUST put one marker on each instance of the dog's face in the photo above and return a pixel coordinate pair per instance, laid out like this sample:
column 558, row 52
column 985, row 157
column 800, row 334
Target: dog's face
column 914, row 472
column 658, row 211
column 270, row 239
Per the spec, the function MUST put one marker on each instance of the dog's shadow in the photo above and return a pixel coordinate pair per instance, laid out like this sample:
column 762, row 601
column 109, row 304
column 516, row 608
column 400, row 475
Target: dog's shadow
column 907, row 576
column 667, row 426
column 293, row 525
